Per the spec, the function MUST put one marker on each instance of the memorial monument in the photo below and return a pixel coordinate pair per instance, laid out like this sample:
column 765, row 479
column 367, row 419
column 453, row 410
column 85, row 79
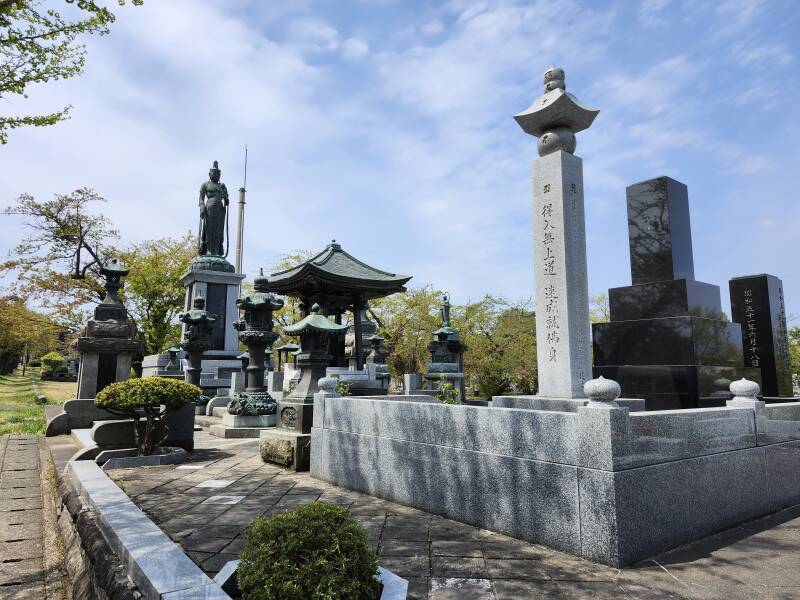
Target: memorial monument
column 108, row 341
column 213, row 278
column 288, row 444
column 253, row 408
column 447, row 355
column 668, row 341
column 561, row 288
column 757, row 305
column 106, row 344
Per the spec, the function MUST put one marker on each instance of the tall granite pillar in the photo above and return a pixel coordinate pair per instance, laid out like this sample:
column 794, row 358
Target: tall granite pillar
column 561, row 289
column 757, row 304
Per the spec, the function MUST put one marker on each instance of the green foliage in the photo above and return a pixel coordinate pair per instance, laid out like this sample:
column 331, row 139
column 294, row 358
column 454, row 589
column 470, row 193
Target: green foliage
column 153, row 292
column 57, row 264
column 315, row 551
column 147, row 392
column 599, row 309
column 407, row 321
column 21, row 327
column 290, row 313
column 135, row 398
column 447, row 393
column 38, row 45
column 342, row 387
column 52, row 360
column 35, row 363
column 794, row 349
column 51, row 263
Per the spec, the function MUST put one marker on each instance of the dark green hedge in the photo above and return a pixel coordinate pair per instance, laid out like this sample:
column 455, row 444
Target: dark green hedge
column 316, row 551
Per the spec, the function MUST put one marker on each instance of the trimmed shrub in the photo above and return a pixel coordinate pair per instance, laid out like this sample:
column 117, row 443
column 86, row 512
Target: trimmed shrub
column 52, row 360
column 135, row 398
column 36, row 362
column 316, row 551
column 447, row 393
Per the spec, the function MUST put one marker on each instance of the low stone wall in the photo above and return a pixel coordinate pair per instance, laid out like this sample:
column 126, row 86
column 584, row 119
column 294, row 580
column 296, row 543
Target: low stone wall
column 607, row 484
column 94, row 570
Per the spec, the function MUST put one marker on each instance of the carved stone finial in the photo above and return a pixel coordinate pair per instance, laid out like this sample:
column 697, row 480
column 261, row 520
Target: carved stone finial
column 602, row 391
column 555, row 116
column 744, row 388
column 554, row 79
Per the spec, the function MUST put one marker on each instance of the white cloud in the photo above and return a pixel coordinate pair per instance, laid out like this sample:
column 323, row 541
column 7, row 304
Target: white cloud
column 651, row 11
column 354, row 48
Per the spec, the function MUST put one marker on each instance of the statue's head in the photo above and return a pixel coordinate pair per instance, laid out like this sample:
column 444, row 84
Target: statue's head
column 199, row 302
column 214, row 172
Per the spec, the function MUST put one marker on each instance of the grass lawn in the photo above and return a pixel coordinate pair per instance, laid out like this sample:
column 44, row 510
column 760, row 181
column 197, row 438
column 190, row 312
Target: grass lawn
column 19, row 411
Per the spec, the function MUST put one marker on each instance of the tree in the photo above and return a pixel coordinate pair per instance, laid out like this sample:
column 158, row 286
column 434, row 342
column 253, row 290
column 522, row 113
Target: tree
column 58, row 263
column 501, row 346
column 406, row 321
column 21, row 327
column 599, row 310
column 153, row 292
column 290, row 313
column 794, row 350
column 58, row 266
column 38, row 45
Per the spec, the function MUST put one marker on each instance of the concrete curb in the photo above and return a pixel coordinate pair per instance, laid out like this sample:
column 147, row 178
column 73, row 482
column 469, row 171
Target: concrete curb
column 158, row 567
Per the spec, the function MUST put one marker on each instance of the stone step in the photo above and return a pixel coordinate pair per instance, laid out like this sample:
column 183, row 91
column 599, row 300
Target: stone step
column 83, row 437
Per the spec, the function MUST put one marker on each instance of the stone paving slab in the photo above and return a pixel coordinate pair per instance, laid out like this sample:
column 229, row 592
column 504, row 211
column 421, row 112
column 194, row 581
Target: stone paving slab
column 444, row 559
column 22, row 573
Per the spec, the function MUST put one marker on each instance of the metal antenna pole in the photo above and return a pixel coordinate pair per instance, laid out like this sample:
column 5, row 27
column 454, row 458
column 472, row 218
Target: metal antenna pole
column 240, row 231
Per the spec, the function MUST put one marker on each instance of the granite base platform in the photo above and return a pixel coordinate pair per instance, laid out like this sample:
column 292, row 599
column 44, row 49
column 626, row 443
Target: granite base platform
column 608, row 484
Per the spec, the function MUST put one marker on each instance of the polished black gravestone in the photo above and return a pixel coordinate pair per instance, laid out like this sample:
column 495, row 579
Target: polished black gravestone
column 668, row 340
column 757, row 304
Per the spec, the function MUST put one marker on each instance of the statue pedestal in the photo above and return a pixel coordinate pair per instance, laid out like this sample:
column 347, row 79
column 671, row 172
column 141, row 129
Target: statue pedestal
column 220, row 288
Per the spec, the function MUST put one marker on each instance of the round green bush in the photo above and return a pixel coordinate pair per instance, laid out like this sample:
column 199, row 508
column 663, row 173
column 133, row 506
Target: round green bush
column 52, row 360
column 35, row 363
column 147, row 392
column 316, row 551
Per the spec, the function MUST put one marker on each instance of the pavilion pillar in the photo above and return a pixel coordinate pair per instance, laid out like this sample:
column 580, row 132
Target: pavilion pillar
column 359, row 350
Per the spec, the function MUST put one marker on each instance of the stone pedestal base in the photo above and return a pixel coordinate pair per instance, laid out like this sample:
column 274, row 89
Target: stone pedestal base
column 248, row 421
column 295, row 416
column 228, row 433
column 287, row 449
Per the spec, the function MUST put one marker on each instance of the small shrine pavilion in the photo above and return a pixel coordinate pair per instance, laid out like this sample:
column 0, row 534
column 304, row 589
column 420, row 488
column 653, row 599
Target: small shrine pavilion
column 339, row 283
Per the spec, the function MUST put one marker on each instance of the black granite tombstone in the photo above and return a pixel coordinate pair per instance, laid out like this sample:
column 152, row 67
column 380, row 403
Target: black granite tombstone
column 668, row 340
column 757, row 304
column 216, row 301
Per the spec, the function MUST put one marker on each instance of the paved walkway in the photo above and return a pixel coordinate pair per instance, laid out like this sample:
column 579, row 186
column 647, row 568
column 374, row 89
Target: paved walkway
column 25, row 572
column 206, row 504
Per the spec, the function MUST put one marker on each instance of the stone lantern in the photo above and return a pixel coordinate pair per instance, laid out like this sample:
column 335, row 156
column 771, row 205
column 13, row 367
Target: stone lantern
column 108, row 341
column 196, row 337
column 256, row 332
column 290, row 442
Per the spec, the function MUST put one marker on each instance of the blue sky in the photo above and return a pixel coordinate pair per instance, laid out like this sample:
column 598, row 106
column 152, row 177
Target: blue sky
column 388, row 125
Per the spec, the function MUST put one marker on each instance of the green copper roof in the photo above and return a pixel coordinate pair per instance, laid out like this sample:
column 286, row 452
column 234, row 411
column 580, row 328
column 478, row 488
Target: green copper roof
column 336, row 269
column 287, row 347
column 315, row 322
